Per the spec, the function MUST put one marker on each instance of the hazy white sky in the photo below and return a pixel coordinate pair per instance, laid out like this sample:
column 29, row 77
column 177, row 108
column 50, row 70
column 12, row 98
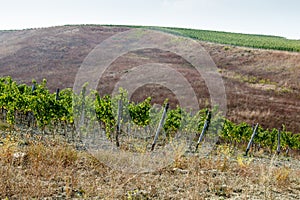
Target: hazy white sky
column 272, row 17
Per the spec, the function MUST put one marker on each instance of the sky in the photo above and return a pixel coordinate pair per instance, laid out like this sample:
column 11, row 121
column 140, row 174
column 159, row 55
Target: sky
column 269, row 17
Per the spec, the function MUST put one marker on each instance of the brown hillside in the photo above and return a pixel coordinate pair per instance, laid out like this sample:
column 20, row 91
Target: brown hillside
column 261, row 86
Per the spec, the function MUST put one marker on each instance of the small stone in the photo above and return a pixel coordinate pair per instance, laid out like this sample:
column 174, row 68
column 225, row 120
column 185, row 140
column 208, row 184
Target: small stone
column 180, row 171
column 19, row 158
column 19, row 155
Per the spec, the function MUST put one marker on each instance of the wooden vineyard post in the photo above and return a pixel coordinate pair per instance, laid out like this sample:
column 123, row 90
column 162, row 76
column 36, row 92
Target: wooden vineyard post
column 33, row 88
column 161, row 124
column 30, row 114
column 278, row 143
column 82, row 114
column 205, row 128
column 82, row 106
column 120, row 109
column 57, row 94
column 251, row 140
column 55, row 123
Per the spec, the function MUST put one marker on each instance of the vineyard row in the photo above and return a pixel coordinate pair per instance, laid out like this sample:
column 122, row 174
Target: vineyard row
column 36, row 106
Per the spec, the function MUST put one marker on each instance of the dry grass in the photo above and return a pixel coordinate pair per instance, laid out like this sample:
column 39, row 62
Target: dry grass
column 51, row 169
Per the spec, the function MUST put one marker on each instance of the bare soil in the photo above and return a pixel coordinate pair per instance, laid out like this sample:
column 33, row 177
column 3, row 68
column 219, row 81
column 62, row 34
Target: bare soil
column 261, row 85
